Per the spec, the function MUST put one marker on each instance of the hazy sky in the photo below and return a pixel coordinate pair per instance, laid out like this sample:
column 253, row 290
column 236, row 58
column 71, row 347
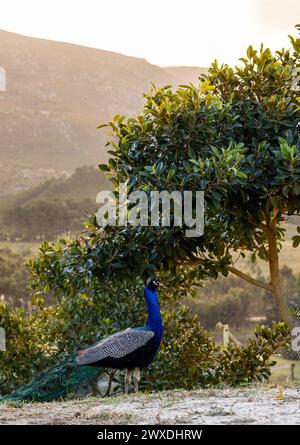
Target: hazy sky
column 165, row 32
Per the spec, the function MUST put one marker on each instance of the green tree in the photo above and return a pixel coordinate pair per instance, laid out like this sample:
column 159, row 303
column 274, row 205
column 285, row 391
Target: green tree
column 235, row 136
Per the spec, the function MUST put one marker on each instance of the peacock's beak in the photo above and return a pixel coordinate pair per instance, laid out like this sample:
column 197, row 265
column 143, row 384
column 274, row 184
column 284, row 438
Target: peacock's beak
column 162, row 285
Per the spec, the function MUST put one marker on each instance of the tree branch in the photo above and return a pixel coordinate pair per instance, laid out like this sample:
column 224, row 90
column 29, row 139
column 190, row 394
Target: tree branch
column 250, row 279
column 236, row 272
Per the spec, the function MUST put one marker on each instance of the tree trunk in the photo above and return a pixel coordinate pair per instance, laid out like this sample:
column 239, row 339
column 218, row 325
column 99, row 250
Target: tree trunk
column 276, row 284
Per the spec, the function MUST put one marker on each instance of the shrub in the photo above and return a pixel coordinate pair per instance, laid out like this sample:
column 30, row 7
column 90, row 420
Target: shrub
column 252, row 362
column 188, row 358
column 42, row 336
column 30, row 345
column 187, row 353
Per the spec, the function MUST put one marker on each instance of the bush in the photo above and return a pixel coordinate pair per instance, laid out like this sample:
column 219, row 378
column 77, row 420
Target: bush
column 30, row 344
column 189, row 356
column 252, row 362
column 42, row 336
column 187, row 353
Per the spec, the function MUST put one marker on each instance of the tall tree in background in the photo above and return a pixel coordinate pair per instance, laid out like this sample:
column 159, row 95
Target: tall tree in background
column 235, row 136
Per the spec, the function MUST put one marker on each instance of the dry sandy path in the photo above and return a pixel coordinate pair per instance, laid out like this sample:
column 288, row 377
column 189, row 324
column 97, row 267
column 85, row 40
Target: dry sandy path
column 254, row 405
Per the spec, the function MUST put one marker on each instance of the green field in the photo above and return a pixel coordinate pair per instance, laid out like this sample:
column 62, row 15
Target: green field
column 281, row 372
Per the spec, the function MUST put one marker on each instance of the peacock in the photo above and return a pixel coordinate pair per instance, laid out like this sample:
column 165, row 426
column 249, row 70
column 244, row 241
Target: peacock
column 132, row 349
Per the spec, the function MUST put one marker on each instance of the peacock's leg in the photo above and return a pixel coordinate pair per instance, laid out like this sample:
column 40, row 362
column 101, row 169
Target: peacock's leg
column 136, row 378
column 111, row 376
column 128, row 376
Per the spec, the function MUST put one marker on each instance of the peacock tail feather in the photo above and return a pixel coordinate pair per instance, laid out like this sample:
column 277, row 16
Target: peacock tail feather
column 55, row 382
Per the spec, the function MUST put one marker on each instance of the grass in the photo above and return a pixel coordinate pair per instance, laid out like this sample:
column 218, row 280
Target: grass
column 281, row 372
column 21, row 247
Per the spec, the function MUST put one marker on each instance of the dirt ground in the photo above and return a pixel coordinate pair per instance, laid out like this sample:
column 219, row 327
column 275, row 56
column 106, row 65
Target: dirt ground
column 254, row 405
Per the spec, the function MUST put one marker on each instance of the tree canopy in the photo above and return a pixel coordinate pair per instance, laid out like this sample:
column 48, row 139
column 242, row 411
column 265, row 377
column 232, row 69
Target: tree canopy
column 236, row 136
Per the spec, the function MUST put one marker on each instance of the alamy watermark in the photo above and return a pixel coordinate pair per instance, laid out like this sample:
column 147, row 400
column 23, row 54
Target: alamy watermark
column 2, row 79
column 155, row 208
column 2, row 340
column 296, row 339
column 296, row 79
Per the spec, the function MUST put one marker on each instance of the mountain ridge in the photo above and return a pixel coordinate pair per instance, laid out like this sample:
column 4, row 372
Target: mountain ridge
column 57, row 94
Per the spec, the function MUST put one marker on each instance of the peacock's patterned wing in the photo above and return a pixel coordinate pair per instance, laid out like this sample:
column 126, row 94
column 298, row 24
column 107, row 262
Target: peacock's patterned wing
column 116, row 346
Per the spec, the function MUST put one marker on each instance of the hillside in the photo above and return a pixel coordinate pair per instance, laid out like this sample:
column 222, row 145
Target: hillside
column 57, row 94
column 52, row 207
column 84, row 183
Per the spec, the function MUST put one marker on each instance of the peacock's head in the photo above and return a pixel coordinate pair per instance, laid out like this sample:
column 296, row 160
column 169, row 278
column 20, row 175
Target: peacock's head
column 151, row 283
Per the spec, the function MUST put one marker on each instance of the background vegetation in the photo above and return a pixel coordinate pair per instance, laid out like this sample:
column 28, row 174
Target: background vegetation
column 189, row 356
column 236, row 136
column 52, row 208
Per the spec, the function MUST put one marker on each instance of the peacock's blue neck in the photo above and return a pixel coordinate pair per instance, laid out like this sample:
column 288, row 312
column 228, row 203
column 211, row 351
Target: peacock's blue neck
column 154, row 320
